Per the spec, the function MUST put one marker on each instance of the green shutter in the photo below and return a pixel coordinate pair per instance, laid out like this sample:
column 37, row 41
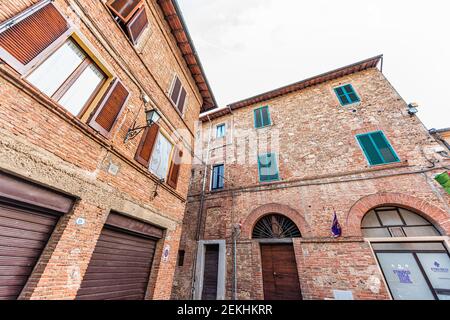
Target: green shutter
column 370, row 150
column 258, row 118
column 346, row 94
column 262, row 117
column 377, row 148
column 384, row 147
column 265, row 116
column 267, row 167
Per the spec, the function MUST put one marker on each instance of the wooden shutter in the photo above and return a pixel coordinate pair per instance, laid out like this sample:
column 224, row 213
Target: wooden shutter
column 137, row 25
column 26, row 39
column 175, row 168
column 182, row 99
column 110, row 108
column 145, row 148
column 124, row 9
column 176, row 91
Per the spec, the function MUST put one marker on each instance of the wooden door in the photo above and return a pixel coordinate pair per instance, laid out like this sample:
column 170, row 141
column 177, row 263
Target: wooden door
column 280, row 274
column 210, row 272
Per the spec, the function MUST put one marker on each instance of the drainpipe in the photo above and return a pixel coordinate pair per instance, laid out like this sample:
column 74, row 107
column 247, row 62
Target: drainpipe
column 236, row 233
column 200, row 210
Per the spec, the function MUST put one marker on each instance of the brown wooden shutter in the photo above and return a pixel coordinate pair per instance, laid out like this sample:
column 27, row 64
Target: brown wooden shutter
column 124, row 9
column 175, row 168
column 182, row 100
column 26, row 39
column 137, row 25
column 145, row 148
column 176, row 90
column 110, row 108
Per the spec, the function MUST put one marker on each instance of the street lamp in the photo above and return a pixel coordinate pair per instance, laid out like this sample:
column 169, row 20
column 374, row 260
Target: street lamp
column 151, row 116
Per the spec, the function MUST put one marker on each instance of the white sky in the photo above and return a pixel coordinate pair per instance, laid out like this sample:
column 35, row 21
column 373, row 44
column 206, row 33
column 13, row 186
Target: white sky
column 251, row 46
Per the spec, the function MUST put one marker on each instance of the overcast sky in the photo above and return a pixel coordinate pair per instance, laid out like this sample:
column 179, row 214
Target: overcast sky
column 251, row 46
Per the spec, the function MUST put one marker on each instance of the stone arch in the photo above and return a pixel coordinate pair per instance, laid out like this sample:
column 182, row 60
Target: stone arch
column 258, row 213
column 435, row 215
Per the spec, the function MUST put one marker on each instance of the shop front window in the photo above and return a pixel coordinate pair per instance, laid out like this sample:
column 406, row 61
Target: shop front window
column 418, row 270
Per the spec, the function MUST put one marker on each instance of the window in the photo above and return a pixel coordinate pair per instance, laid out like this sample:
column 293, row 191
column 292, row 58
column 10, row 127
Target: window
column 69, row 77
column 217, row 180
column 262, row 117
column 275, row 226
column 159, row 163
column 131, row 17
column 267, row 167
column 377, row 148
column 178, row 94
column 155, row 153
column 413, row 269
column 181, row 254
column 396, row 222
column 346, row 94
column 53, row 61
column 220, row 130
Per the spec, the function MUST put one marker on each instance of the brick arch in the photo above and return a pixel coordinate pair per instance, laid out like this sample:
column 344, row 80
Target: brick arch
column 258, row 213
column 435, row 215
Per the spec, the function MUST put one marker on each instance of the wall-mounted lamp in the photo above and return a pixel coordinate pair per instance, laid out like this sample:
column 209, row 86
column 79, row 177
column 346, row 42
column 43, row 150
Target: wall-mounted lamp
column 151, row 116
column 412, row 108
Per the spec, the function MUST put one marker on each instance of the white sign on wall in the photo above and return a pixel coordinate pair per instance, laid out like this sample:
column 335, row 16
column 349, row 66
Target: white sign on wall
column 165, row 254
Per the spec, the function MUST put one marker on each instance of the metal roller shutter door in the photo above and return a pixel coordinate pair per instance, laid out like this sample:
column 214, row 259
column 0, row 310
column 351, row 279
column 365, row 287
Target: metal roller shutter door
column 28, row 216
column 120, row 266
column 23, row 236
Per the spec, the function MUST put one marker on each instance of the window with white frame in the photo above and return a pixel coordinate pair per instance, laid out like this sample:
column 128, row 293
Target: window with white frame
column 160, row 160
column 221, row 130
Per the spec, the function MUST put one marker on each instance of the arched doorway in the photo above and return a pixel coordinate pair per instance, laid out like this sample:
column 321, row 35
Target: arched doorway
column 410, row 252
column 279, row 267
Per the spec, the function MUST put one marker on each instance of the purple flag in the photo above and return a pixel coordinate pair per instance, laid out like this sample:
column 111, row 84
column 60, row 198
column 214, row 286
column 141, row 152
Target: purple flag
column 336, row 230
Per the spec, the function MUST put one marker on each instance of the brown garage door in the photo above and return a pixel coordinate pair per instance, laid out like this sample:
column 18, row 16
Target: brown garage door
column 280, row 275
column 28, row 215
column 121, row 263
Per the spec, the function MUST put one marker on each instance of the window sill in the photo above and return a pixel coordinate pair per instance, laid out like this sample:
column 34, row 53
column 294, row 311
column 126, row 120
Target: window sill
column 387, row 165
column 354, row 104
column 265, row 127
column 270, row 181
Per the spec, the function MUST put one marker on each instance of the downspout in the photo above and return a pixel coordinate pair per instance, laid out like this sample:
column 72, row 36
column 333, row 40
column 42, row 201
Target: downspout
column 200, row 210
column 236, row 226
column 236, row 233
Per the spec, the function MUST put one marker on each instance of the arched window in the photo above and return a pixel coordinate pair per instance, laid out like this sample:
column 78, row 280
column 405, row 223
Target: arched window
column 275, row 226
column 396, row 222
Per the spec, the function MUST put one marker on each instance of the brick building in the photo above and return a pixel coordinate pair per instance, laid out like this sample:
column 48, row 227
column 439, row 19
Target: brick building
column 89, row 207
column 278, row 167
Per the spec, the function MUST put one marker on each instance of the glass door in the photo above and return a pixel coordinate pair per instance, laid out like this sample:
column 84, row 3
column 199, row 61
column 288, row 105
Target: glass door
column 415, row 271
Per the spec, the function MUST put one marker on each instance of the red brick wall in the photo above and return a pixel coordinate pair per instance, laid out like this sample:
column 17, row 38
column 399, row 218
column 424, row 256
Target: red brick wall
column 43, row 142
column 322, row 170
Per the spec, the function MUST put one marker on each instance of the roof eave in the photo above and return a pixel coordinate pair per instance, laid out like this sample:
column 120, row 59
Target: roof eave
column 172, row 12
column 321, row 78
